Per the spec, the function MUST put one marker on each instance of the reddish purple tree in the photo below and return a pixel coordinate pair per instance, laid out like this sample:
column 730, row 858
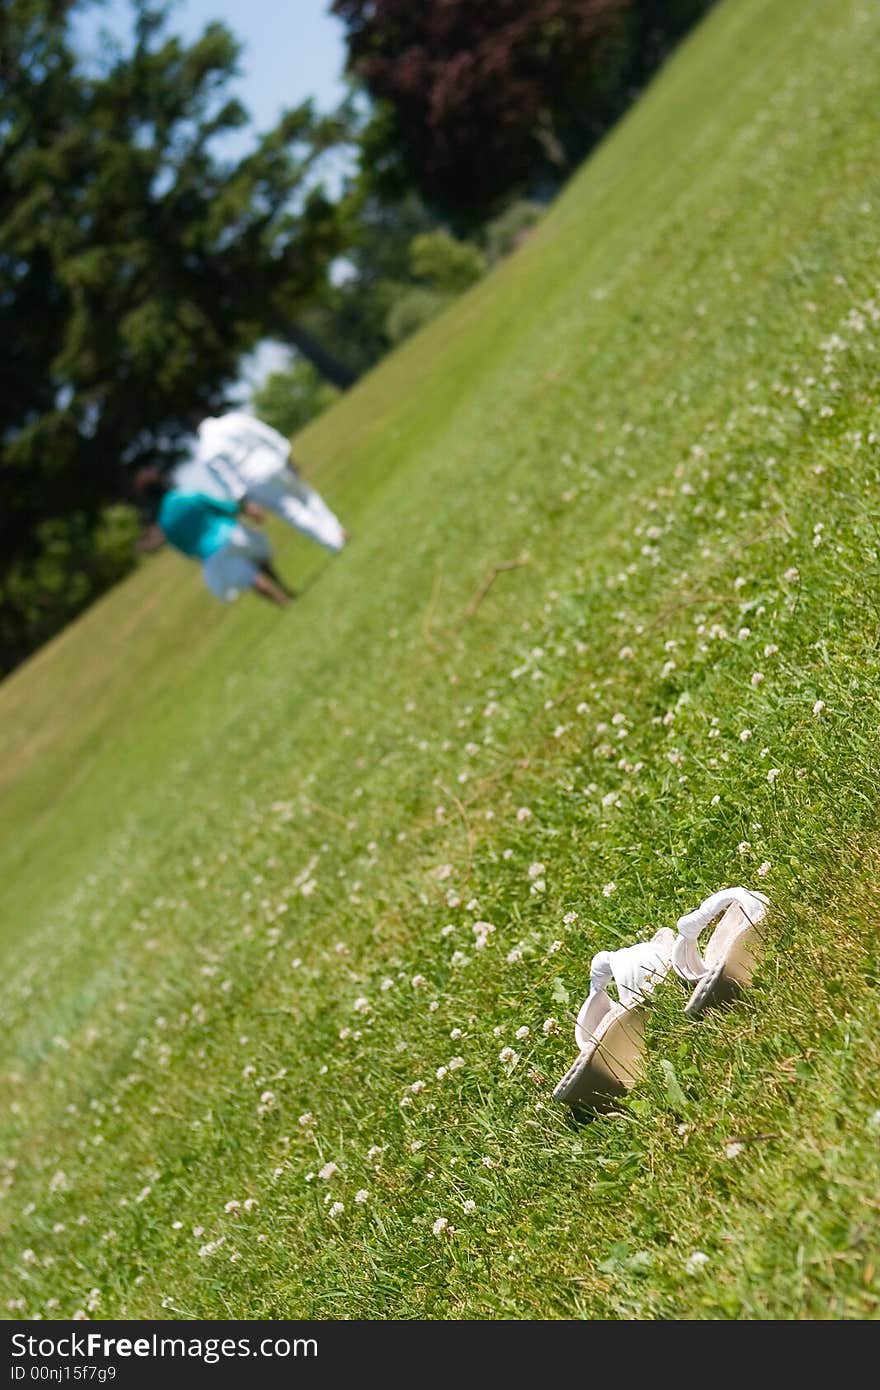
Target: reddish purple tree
column 471, row 87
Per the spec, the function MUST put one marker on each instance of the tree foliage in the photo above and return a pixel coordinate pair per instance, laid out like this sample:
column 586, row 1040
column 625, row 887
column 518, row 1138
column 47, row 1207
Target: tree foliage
column 480, row 99
column 349, row 314
column 510, row 228
column 136, row 264
column 470, row 86
column 288, row 399
column 448, row 262
column 441, row 266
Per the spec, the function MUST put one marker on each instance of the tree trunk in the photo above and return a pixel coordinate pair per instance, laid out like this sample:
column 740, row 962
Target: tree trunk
column 330, row 367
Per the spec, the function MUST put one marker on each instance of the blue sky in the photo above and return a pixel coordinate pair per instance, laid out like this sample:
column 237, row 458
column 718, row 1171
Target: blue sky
column 292, row 49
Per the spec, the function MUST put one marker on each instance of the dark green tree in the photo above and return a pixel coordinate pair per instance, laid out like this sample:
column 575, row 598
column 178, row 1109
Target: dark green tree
column 137, row 265
column 288, row 399
column 350, row 313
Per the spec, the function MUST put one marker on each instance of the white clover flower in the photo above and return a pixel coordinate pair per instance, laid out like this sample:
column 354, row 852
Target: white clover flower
column 538, row 885
column 773, row 774
column 536, row 870
column 743, row 633
column 28, row 1257
column 336, row 1210
column 764, row 869
column 267, row 1098
column 818, row 707
column 771, row 649
column 523, row 814
column 417, row 1087
column 374, row 1152
column 251, row 1204
column 696, row 1262
column 554, row 947
column 405, row 1101
column 745, row 735
column 792, row 575
column 522, row 1033
column 609, row 889
column 442, row 1073
column 328, row 1171
column 459, row 958
column 416, row 1145
column 508, row 1057
column 418, row 982
column 570, row 918
column 456, row 1034
column 550, row 1025
column 441, row 1226
column 469, row 1205
column 306, row 1119
column 743, row 847
column 455, row 1063
column 715, row 800
column 361, row 1196
column 362, row 1005
column 733, row 1149
column 232, row 1206
column 625, row 654
column 488, row 1162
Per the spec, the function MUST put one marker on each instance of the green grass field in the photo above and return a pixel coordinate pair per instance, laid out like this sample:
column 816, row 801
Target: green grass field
column 243, row 851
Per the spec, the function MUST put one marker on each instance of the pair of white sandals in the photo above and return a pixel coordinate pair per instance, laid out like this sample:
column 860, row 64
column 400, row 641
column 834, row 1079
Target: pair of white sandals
column 611, row 1034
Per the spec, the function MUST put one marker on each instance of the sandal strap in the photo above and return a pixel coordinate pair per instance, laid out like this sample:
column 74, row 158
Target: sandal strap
column 687, row 961
column 635, row 971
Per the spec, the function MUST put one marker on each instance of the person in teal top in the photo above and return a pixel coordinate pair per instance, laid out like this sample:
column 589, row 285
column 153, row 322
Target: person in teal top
column 196, row 524
column 234, row 557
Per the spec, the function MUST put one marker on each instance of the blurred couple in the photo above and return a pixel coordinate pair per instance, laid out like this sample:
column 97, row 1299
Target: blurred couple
column 240, row 467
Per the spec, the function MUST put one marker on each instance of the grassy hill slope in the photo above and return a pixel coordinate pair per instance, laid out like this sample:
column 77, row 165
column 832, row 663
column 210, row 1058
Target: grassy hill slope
column 242, row 853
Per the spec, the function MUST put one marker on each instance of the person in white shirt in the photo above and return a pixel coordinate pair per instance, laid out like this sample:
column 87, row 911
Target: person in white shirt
column 237, row 455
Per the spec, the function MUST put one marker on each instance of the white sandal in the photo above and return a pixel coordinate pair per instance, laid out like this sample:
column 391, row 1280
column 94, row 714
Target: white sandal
column 728, row 964
column 611, row 1035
